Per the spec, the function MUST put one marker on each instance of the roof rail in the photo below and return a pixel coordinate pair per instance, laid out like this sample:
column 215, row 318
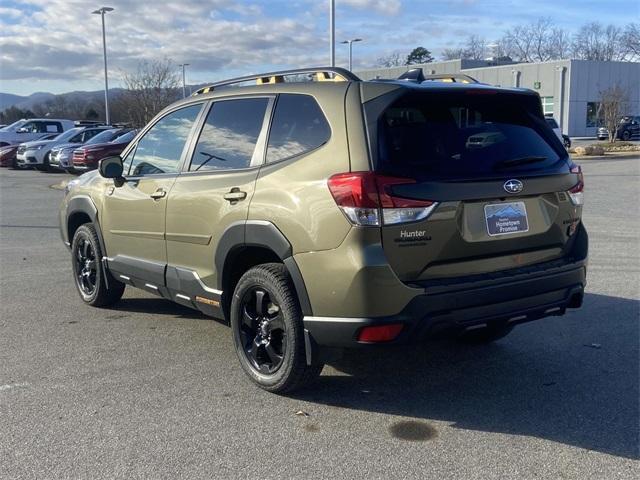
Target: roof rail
column 416, row 75
column 320, row 74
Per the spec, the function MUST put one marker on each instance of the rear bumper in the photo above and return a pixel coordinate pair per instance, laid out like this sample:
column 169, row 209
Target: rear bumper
column 429, row 314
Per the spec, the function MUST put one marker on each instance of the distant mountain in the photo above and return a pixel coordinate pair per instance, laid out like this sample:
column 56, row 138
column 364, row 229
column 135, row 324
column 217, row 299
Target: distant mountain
column 27, row 102
column 508, row 211
column 9, row 100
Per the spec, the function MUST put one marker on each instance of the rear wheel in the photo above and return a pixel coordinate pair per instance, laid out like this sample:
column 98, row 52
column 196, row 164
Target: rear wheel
column 626, row 135
column 488, row 334
column 88, row 270
column 268, row 332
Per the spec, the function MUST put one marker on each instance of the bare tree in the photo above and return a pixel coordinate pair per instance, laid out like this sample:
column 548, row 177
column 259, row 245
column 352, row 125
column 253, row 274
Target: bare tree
column 594, row 41
column 631, row 41
column 519, row 43
column 475, row 48
column 559, row 44
column 454, row 53
column 395, row 59
column 149, row 89
column 613, row 104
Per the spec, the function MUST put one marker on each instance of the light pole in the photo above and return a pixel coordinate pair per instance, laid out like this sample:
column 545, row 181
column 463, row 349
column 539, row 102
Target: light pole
column 351, row 42
column 332, row 31
column 184, row 84
column 101, row 12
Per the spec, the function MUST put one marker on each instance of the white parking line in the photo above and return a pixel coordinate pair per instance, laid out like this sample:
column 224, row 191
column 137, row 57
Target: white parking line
column 12, row 385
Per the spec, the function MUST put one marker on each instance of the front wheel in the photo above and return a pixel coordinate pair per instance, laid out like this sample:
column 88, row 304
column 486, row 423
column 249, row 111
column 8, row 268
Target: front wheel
column 626, row 135
column 88, row 270
column 268, row 332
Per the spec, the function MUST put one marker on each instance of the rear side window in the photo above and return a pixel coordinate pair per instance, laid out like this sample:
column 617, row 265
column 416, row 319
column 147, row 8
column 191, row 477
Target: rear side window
column 298, row 126
column 464, row 136
column 229, row 136
column 53, row 127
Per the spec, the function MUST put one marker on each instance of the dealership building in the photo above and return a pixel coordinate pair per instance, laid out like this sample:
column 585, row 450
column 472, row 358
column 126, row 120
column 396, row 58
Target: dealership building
column 569, row 89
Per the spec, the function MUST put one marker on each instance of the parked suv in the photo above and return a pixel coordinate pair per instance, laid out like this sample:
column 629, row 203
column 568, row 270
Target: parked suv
column 33, row 129
column 88, row 156
column 322, row 215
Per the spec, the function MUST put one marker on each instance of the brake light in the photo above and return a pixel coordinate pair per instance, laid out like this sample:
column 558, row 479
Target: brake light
column 380, row 333
column 366, row 199
column 576, row 193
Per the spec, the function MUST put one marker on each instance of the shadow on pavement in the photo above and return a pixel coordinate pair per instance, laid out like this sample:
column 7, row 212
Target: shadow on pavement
column 551, row 381
column 561, row 387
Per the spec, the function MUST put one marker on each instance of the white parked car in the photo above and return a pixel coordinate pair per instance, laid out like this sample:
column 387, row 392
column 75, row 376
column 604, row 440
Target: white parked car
column 32, row 129
column 38, row 153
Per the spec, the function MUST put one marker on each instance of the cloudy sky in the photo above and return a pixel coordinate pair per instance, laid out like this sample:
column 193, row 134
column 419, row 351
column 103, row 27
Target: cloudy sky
column 56, row 45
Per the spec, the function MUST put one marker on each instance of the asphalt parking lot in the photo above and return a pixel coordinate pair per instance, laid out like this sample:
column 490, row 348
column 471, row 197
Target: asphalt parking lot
column 151, row 389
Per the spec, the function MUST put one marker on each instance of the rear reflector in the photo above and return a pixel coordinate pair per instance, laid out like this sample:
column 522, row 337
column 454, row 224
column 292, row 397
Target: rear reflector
column 381, row 333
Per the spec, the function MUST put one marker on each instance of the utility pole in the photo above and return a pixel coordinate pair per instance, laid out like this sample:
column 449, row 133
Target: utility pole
column 184, row 83
column 101, row 12
column 332, row 31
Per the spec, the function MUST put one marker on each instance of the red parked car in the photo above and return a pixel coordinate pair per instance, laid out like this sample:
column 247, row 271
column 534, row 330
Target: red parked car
column 8, row 156
column 89, row 155
column 8, row 152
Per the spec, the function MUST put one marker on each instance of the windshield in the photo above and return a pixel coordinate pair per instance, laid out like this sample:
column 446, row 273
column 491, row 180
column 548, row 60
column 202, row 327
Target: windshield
column 14, row 126
column 103, row 137
column 68, row 134
column 462, row 136
column 124, row 137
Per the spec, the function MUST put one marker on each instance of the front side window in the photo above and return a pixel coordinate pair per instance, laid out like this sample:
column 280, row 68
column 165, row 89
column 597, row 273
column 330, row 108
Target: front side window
column 229, row 136
column 160, row 149
column 33, row 127
column 298, row 126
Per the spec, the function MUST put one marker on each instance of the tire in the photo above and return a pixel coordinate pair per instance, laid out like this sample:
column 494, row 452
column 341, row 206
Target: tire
column 46, row 165
column 88, row 273
column 488, row 334
column 626, row 135
column 267, row 330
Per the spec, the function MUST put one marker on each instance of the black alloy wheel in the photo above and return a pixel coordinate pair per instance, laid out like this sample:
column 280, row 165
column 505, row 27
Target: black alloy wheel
column 262, row 331
column 85, row 267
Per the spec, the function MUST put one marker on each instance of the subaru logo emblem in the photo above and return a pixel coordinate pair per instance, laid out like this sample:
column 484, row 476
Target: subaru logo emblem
column 513, row 186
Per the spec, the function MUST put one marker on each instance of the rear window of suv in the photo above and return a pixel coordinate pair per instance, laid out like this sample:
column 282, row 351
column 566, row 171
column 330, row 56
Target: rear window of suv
column 454, row 136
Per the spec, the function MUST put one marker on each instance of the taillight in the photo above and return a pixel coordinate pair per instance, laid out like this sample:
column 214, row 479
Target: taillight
column 366, row 198
column 576, row 193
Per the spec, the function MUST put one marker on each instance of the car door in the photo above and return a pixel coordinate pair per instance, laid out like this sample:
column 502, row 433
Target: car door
column 133, row 212
column 214, row 192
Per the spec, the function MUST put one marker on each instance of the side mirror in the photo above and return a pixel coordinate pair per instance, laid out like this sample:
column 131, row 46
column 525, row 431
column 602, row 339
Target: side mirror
column 22, row 130
column 111, row 167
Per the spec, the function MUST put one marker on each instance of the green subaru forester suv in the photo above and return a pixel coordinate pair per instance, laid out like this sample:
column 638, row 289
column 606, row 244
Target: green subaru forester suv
column 314, row 211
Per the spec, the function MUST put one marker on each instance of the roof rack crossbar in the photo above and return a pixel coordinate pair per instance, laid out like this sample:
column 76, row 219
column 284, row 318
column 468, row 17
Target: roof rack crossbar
column 340, row 74
column 418, row 76
column 451, row 77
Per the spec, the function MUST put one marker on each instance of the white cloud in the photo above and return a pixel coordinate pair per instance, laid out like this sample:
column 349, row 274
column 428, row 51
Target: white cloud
column 387, row 7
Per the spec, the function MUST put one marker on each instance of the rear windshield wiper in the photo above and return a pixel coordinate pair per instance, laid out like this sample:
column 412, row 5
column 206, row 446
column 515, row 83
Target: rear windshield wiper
column 518, row 161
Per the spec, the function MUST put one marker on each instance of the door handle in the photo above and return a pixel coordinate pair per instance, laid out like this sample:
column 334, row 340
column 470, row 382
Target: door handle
column 158, row 194
column 235, row 195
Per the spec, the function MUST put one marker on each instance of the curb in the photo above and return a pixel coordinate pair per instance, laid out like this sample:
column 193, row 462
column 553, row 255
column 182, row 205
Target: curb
column 59, row 186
